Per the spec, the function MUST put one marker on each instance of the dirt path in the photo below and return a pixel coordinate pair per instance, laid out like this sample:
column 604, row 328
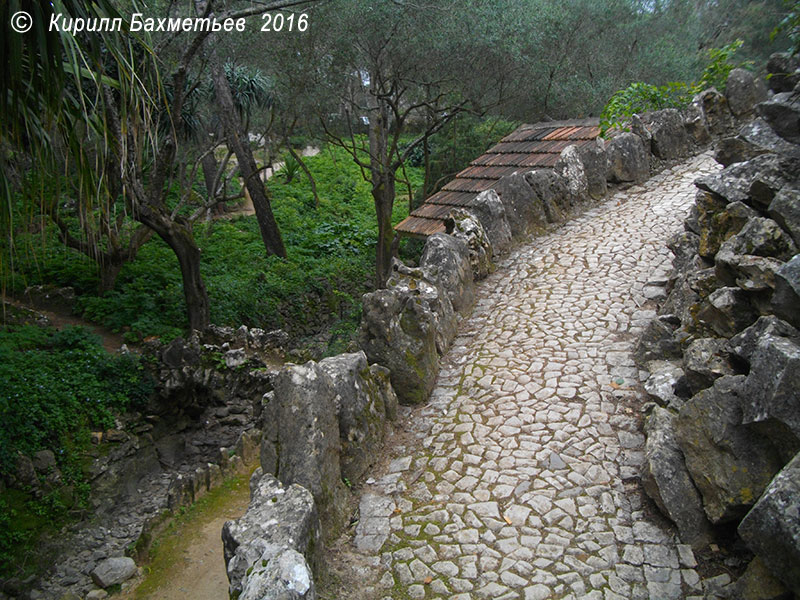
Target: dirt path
column 189, row 563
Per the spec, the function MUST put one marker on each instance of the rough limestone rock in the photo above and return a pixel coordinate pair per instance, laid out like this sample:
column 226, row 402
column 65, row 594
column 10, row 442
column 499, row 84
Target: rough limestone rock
column 692, row 221
column 667, row 482
column 113, row 571
column 280, row 521
column 785, row 210
column 743, row 91
column 727, row 311
column 414, row 282
column 730, row 464
column 467, row 228
column 772, row 528
column 522, row 208
column 694, row 121
column 784, row 70
column 757, row 583
column 627, row 159
column 754, row 138
column 491, row 214
column 308, row 438
column 362, row 411
column 669, row 137
column 745, row 344
column 782, row 113
column 398, row 331
column 762, row 237
column 657, row 341
column 719, row 221
column 445, row 262
column 279, row 574
column 786, row 299
column 703, row 282
column 595, row 165
column 754, row 182
column 772, row 390
column 552, row 193
column 750, row 273
column 716, row 111
column 684, row 246
column 570, row 166
column 665, row 377
column 704, row 361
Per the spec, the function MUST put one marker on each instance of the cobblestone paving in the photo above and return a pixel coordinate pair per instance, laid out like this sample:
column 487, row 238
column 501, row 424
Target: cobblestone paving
column 524, row 481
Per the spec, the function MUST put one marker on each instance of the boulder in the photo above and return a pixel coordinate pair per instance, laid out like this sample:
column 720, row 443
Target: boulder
column 751, row 273
column 657, row 341
column 772, row 528
column 784, row 71
column 414, row 282
column 703, row 282
column 665, row 378
column 280, row 520
column 786, row 299
column 398, row 331
column 705, row 361
column 785, row 210
column 727, row 311
column 745, row 344
column 772, row 392
column 280, row 573
column 716, row 111
column 491, row 214
column 445, row 263
column 467, row 228
column 682, row 302
column 762, row 237
column 308, row 439
column 754, row 138
column 718, row 224
column 524, row 211
column 570, row 166
column 782, row 113
column 666, row 480
column 113, row 571
column 684, row 247
column 754, row 182
column 669, row 137
column 595, row 165
column 550, row 189
column 757, row 583
column 730, row 464
column 694, row 121
column 743, row 91
column 692, row 221
column 362, row 412
column 627, row 159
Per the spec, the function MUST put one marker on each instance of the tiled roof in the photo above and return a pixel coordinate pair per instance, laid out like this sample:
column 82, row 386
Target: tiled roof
column 527, row 147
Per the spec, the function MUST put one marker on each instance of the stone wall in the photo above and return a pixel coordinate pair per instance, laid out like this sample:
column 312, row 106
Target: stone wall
column 723, row 434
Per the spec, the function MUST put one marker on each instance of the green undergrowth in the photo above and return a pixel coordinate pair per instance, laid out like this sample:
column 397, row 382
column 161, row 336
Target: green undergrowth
column 55, row 388
column 640, row 97
column 330, row 263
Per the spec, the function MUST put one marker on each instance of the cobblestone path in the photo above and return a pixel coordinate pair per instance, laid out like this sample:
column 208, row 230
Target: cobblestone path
column 523, row 479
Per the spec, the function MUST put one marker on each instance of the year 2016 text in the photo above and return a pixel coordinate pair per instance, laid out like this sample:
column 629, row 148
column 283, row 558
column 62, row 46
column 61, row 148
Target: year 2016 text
column 278, row 22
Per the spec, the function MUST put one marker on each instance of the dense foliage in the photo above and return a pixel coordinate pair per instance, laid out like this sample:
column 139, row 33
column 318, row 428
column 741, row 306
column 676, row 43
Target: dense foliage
column 329, row 264
column 641, row 97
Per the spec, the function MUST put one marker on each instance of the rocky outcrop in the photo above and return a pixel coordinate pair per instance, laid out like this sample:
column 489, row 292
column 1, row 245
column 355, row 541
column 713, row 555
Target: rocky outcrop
column 464, row 226
column 627, row 159
column 666, row 480
column 667, row 134
column 570, row 166
column 270, row 551
column 772, row 528
column 491, row 214
column 524, row 211
column 445, row 262
column 784, row 72
column 365, row 400
column 743, row 91
column 731, row 316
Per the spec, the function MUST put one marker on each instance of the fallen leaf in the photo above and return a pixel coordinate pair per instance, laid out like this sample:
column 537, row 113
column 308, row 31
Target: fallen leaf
column 428, row 579
column 507, row 520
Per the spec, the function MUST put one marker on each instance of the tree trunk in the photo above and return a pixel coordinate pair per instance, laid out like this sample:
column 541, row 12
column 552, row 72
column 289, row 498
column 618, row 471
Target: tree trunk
column 306, row 170
column 247, row 164
column 110, row 266
column 383, row 189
